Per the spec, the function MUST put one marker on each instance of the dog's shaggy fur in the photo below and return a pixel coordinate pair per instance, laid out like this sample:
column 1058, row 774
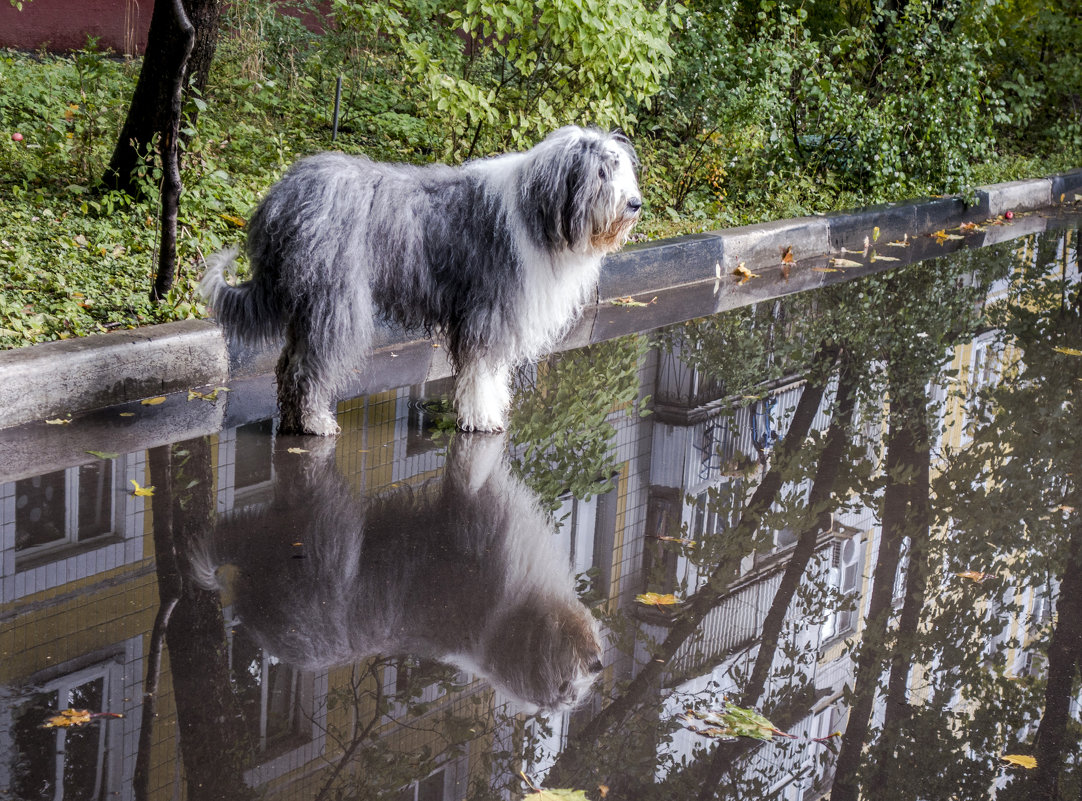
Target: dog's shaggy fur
column 497, row 257
column 461, row 570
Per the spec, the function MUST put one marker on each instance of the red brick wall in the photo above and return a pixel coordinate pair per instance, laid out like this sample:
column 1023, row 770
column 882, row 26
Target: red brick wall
column 119, row 25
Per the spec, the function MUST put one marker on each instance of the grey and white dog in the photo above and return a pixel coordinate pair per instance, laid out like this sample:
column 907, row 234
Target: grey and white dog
column 461, row 570
column 497, row 257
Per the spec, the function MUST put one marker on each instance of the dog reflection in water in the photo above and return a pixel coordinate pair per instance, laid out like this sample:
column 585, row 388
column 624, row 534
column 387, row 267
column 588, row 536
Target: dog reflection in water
column 461, row 570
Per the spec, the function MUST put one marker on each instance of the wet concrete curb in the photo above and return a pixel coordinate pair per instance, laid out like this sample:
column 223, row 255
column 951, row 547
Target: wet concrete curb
column 60, row 378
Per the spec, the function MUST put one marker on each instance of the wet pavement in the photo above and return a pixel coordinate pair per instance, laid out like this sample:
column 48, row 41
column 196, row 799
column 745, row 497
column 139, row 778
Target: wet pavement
column 825, row 544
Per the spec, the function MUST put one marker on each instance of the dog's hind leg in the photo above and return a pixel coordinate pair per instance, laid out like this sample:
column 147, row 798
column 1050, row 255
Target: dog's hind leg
column 305, row 387
column 482, row 395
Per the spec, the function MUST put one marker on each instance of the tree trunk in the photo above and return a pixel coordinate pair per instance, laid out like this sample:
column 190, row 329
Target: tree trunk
column 573, row 759
column 152, row 100
column 181, row 49
column 875, row 648
column 1064, row 657
column 834, row 451
column 214, row 741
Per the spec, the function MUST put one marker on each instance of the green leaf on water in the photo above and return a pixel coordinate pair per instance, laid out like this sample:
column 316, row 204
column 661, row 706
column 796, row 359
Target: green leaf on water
column 731, row 722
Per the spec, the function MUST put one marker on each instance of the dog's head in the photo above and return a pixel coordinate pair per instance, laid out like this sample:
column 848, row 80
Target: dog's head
column 580, row 191
column 545, row 653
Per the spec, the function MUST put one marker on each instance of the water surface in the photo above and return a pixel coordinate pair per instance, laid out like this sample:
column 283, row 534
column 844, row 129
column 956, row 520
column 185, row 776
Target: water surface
column 854, row 510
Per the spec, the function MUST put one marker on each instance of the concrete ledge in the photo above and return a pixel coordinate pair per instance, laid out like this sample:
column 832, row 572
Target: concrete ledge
column 57, row 378
column 1067, row 188
column 997, row 199
column 60, row 378
column 649, row 266
column 761, row 245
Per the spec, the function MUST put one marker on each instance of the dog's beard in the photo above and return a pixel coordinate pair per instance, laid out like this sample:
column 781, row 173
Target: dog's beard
column 613, row 237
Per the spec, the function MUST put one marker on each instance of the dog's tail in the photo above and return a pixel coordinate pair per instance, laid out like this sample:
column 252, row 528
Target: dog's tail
column 203, row 562
column 246, row 311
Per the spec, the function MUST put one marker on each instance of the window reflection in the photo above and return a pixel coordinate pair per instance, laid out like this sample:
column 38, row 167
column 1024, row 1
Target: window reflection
column 58, row 763
column 253, row 458
column 65, row 507
column 276, row 699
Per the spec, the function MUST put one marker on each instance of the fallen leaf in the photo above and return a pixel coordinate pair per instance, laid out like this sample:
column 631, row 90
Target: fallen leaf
column 942, row 236
column 67, row 717
column 127, row 414
column 104, row 454
column 629, row 301
column 603, row 790
column 845, row 263
column 1068, row 351
column 153, row 401
column 296, row 450
column 544, row 794
column 825, row 270
column 656, row 599
column 142, row 492
column 876, row 257
column 57, row 421
column 75, row 717
column 975, row 575
column 744, row 273
column 900, row 243
column 875, row 234
column 237, row 221
column 211, row 396
column 787, row 255
column 1021, row 760
column 734, row 721
column 665, row 538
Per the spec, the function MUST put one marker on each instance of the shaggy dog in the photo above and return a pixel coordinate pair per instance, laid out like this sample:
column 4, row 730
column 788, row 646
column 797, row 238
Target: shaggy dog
column 497, row 257
column 461, row 570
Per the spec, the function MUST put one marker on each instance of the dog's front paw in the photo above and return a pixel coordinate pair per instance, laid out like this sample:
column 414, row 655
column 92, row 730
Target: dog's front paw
column 475, row 427
column 480, row 424
column 324, row 425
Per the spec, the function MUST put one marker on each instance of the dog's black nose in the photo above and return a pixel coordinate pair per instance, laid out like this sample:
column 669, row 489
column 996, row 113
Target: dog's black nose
column 634, row 204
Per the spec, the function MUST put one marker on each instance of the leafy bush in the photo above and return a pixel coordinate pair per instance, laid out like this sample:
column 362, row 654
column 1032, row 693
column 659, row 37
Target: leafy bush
column 795, row 109
column 496, row 74
column 562, row 422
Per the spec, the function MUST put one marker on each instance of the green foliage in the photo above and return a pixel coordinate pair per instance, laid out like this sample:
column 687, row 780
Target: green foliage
column 562, row 420
column 497, row 74
column 794, row 109
column 1035, row 60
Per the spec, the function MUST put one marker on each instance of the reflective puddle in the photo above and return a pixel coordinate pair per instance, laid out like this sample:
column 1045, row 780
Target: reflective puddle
column 826, row 544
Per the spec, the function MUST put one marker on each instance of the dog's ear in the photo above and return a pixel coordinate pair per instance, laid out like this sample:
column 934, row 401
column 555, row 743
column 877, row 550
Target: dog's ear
column 620, row 139
column 562, row 179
